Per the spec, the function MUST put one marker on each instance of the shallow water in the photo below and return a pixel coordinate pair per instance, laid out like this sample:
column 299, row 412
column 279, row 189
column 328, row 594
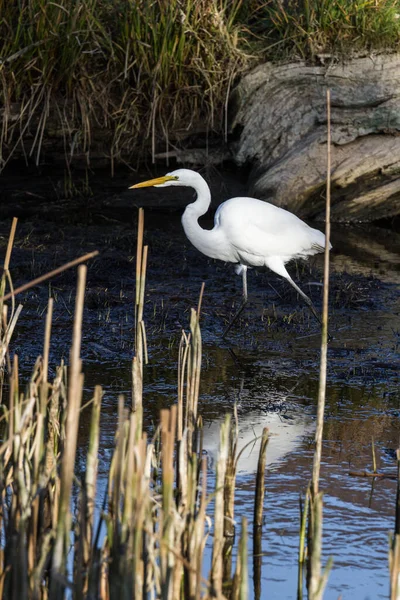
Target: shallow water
column 269, row 367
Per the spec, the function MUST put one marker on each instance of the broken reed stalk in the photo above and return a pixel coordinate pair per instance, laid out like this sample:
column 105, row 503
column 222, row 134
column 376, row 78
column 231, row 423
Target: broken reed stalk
column 88, row 509
column 374, row 465
column 10, row 244
column 47, row 335
column 258, row 513
column 230, row 483
column 260, row 479
column 243, row 554
column 240, row 589
column 7, row 324
column 194, row 371
column 183, row 353
column 50, row 274
column 316, row 581
column 141, row 265
column 168, row 434
column 75, row 387
column 304, row 512
column 140, row 330
column 6, row 268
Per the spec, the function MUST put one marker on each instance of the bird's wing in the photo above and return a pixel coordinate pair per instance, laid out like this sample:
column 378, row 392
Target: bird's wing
column 261, row 230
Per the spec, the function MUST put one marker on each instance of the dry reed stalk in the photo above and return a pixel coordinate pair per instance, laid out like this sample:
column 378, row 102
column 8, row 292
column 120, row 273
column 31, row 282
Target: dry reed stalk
column 397, row 519
column 374, row 465
column 40, row 451
column 315, row 581
column 90, row 484
column 75, row 385
column 139, row 255
column 182, row 470
column 260, row 479
column 8, row 330
column 50, row 274
column 53, row 420
column 324, row 334
column 7, row 324
column 191, row 520
column 240, row 584
column 198, row 534
column 114, row 538
column 137, row 487
column 10, row 244
column 6, row 272
column 257, row 563
column 243, row 555
column 219, row 511
column 141, row 266
column 229, row 487
column 192, row 377
column 167, row 558
column 183, row 353
column 195, row 369
column 304, row 511
column 258, row 513
column 394, row 567
column 47, row 335
column 140, row 330
column 394, row 544
column 137, row 385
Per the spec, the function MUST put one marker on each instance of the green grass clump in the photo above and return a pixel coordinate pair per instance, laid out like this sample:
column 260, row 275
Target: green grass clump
column 309, row 27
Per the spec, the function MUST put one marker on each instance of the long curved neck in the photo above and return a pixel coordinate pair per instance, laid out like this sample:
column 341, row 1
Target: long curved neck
column 203, row 239
column 200, row 206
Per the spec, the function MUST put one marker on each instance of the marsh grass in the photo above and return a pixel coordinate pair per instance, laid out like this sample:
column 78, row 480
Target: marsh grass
column 117, row 79
column 308, row 28
column 138, row 70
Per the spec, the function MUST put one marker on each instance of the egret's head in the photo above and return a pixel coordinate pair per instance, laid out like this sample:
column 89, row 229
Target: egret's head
column 184, row 177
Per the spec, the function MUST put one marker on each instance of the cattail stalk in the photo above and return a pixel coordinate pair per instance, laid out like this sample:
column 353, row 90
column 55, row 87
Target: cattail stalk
column 75, row 382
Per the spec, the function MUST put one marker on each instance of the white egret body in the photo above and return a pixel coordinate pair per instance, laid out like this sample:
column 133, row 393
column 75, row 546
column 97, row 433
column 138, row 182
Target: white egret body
column 247, row 232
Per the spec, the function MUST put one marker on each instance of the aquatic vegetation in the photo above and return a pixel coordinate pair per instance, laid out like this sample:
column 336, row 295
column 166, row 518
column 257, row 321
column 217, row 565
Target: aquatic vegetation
column 109, row 80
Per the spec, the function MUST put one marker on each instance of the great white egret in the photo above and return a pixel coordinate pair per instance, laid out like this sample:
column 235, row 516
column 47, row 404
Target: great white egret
column 247, row 232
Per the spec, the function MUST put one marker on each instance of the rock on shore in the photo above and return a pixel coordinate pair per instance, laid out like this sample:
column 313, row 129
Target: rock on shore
column 279, row 118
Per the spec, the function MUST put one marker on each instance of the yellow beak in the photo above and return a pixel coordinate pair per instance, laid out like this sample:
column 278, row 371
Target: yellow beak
column 156, row 181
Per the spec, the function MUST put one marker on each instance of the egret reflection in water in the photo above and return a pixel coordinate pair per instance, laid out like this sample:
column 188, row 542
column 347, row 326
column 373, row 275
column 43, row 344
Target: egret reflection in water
column 287, row 430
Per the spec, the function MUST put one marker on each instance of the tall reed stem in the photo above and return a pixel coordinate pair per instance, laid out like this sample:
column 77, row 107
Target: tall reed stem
column 62, row 541
column 324, row 335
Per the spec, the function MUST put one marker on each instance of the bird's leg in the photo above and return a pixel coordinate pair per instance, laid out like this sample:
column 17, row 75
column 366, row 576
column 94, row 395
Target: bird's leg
column 242, row 305
column 306, row 298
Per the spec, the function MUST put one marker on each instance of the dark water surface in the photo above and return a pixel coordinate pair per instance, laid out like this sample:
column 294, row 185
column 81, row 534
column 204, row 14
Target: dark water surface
column 269, row 366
